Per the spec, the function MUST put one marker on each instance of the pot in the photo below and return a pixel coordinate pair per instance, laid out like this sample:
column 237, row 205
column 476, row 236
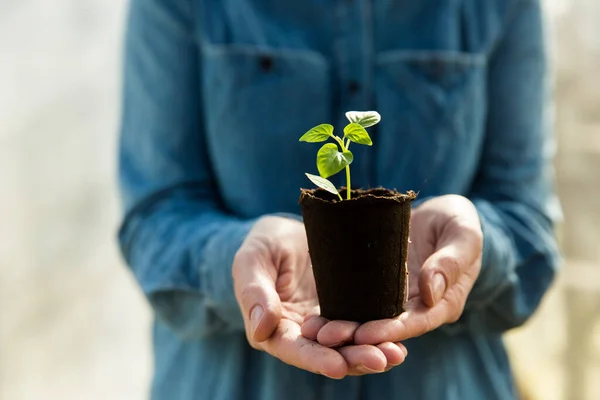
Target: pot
column 359, row 249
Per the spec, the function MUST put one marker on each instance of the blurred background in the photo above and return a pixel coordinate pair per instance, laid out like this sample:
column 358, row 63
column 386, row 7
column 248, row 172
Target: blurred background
column 73, row 324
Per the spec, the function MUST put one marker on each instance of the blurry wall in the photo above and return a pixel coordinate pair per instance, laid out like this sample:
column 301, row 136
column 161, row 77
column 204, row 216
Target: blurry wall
column 557, row 354
column 73, row 324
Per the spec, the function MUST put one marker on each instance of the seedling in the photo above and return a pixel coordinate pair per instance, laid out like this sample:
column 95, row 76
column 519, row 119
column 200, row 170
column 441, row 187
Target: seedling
column 331, row 159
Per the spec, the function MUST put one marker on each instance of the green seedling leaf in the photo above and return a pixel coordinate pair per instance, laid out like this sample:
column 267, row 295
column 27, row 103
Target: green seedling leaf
column 357, row 134
column 364, row 118
column 330, row 161
column 323, row 184
column 319, row 133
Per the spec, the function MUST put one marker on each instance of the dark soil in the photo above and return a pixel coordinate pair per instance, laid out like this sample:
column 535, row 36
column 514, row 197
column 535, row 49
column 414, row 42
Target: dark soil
column 358, row 250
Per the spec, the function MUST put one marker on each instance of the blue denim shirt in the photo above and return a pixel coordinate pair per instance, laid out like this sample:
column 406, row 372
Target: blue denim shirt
column 216, row 95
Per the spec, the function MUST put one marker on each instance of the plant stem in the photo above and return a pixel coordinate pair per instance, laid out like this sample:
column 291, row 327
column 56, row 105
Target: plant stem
column 347, row 182
column 340, row 196
column 344, row 148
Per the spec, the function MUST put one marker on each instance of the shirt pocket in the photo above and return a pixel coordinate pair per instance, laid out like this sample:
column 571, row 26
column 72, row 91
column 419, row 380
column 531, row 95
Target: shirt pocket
column 434, row 106
column 257, row 104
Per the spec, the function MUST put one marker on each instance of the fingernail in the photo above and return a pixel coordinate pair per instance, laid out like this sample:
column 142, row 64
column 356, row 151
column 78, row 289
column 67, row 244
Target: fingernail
column 366, row 370
column 404, row 350
column 255, row 316
column 438, row 287
column 327, row 376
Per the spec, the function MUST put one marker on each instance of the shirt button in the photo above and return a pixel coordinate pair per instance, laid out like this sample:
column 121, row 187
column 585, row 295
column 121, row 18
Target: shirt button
column 266, row 63
column 353, row 87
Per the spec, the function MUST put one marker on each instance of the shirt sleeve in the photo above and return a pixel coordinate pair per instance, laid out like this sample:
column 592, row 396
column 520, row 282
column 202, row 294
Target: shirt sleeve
column 176, row 235
column 514, row 190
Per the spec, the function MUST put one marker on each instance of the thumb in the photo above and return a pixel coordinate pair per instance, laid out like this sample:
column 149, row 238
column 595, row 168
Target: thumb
column 254, row 283
column 439, row 272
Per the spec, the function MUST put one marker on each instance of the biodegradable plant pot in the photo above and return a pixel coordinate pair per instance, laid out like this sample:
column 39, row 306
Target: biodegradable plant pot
column 358, row 249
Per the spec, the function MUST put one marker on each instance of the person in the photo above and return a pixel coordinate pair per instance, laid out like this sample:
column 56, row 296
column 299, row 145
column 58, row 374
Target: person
column 217, row 93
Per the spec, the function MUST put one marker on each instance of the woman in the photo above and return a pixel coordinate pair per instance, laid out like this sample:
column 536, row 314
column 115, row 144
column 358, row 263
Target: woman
column 216, row 94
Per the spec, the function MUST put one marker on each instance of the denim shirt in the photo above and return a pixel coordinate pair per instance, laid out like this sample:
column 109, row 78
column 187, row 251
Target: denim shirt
column 216, row 95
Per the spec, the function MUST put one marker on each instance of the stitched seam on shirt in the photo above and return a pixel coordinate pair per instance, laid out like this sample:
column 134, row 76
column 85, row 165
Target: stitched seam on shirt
column 196, row 27
column 255, row 50
column 467, row 59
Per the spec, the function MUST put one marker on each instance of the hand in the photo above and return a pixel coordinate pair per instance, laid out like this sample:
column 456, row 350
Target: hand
column 444, row 262
column 275, row 289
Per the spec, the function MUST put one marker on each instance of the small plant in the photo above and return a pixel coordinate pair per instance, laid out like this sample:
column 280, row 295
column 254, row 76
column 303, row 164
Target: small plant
column 330, row 160
column 358, row 246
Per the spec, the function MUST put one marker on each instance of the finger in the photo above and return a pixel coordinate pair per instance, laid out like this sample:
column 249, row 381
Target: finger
column 442, row 269
column 336, row 333
column 417, row 320
column 255, row 292
column 394, row 353
column 291, row 347
column 314, row 312
column 364, row 359
column 312, row 326
column 439, row 272
column 313, row 322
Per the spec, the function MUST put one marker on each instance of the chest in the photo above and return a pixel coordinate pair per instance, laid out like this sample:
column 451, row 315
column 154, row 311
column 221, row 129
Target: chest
column 271, row 70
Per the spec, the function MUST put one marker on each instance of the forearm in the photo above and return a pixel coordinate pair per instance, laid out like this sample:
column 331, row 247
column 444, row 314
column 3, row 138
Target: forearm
column 514, row 188
column 519, row 261
column 180, row 248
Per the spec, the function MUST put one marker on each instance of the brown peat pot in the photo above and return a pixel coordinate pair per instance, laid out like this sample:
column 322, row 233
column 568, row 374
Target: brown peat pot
column 358, row 249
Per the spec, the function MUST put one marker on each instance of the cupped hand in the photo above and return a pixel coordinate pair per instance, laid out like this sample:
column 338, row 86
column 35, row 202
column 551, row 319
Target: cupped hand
column 444, row 262
column 276, row 292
